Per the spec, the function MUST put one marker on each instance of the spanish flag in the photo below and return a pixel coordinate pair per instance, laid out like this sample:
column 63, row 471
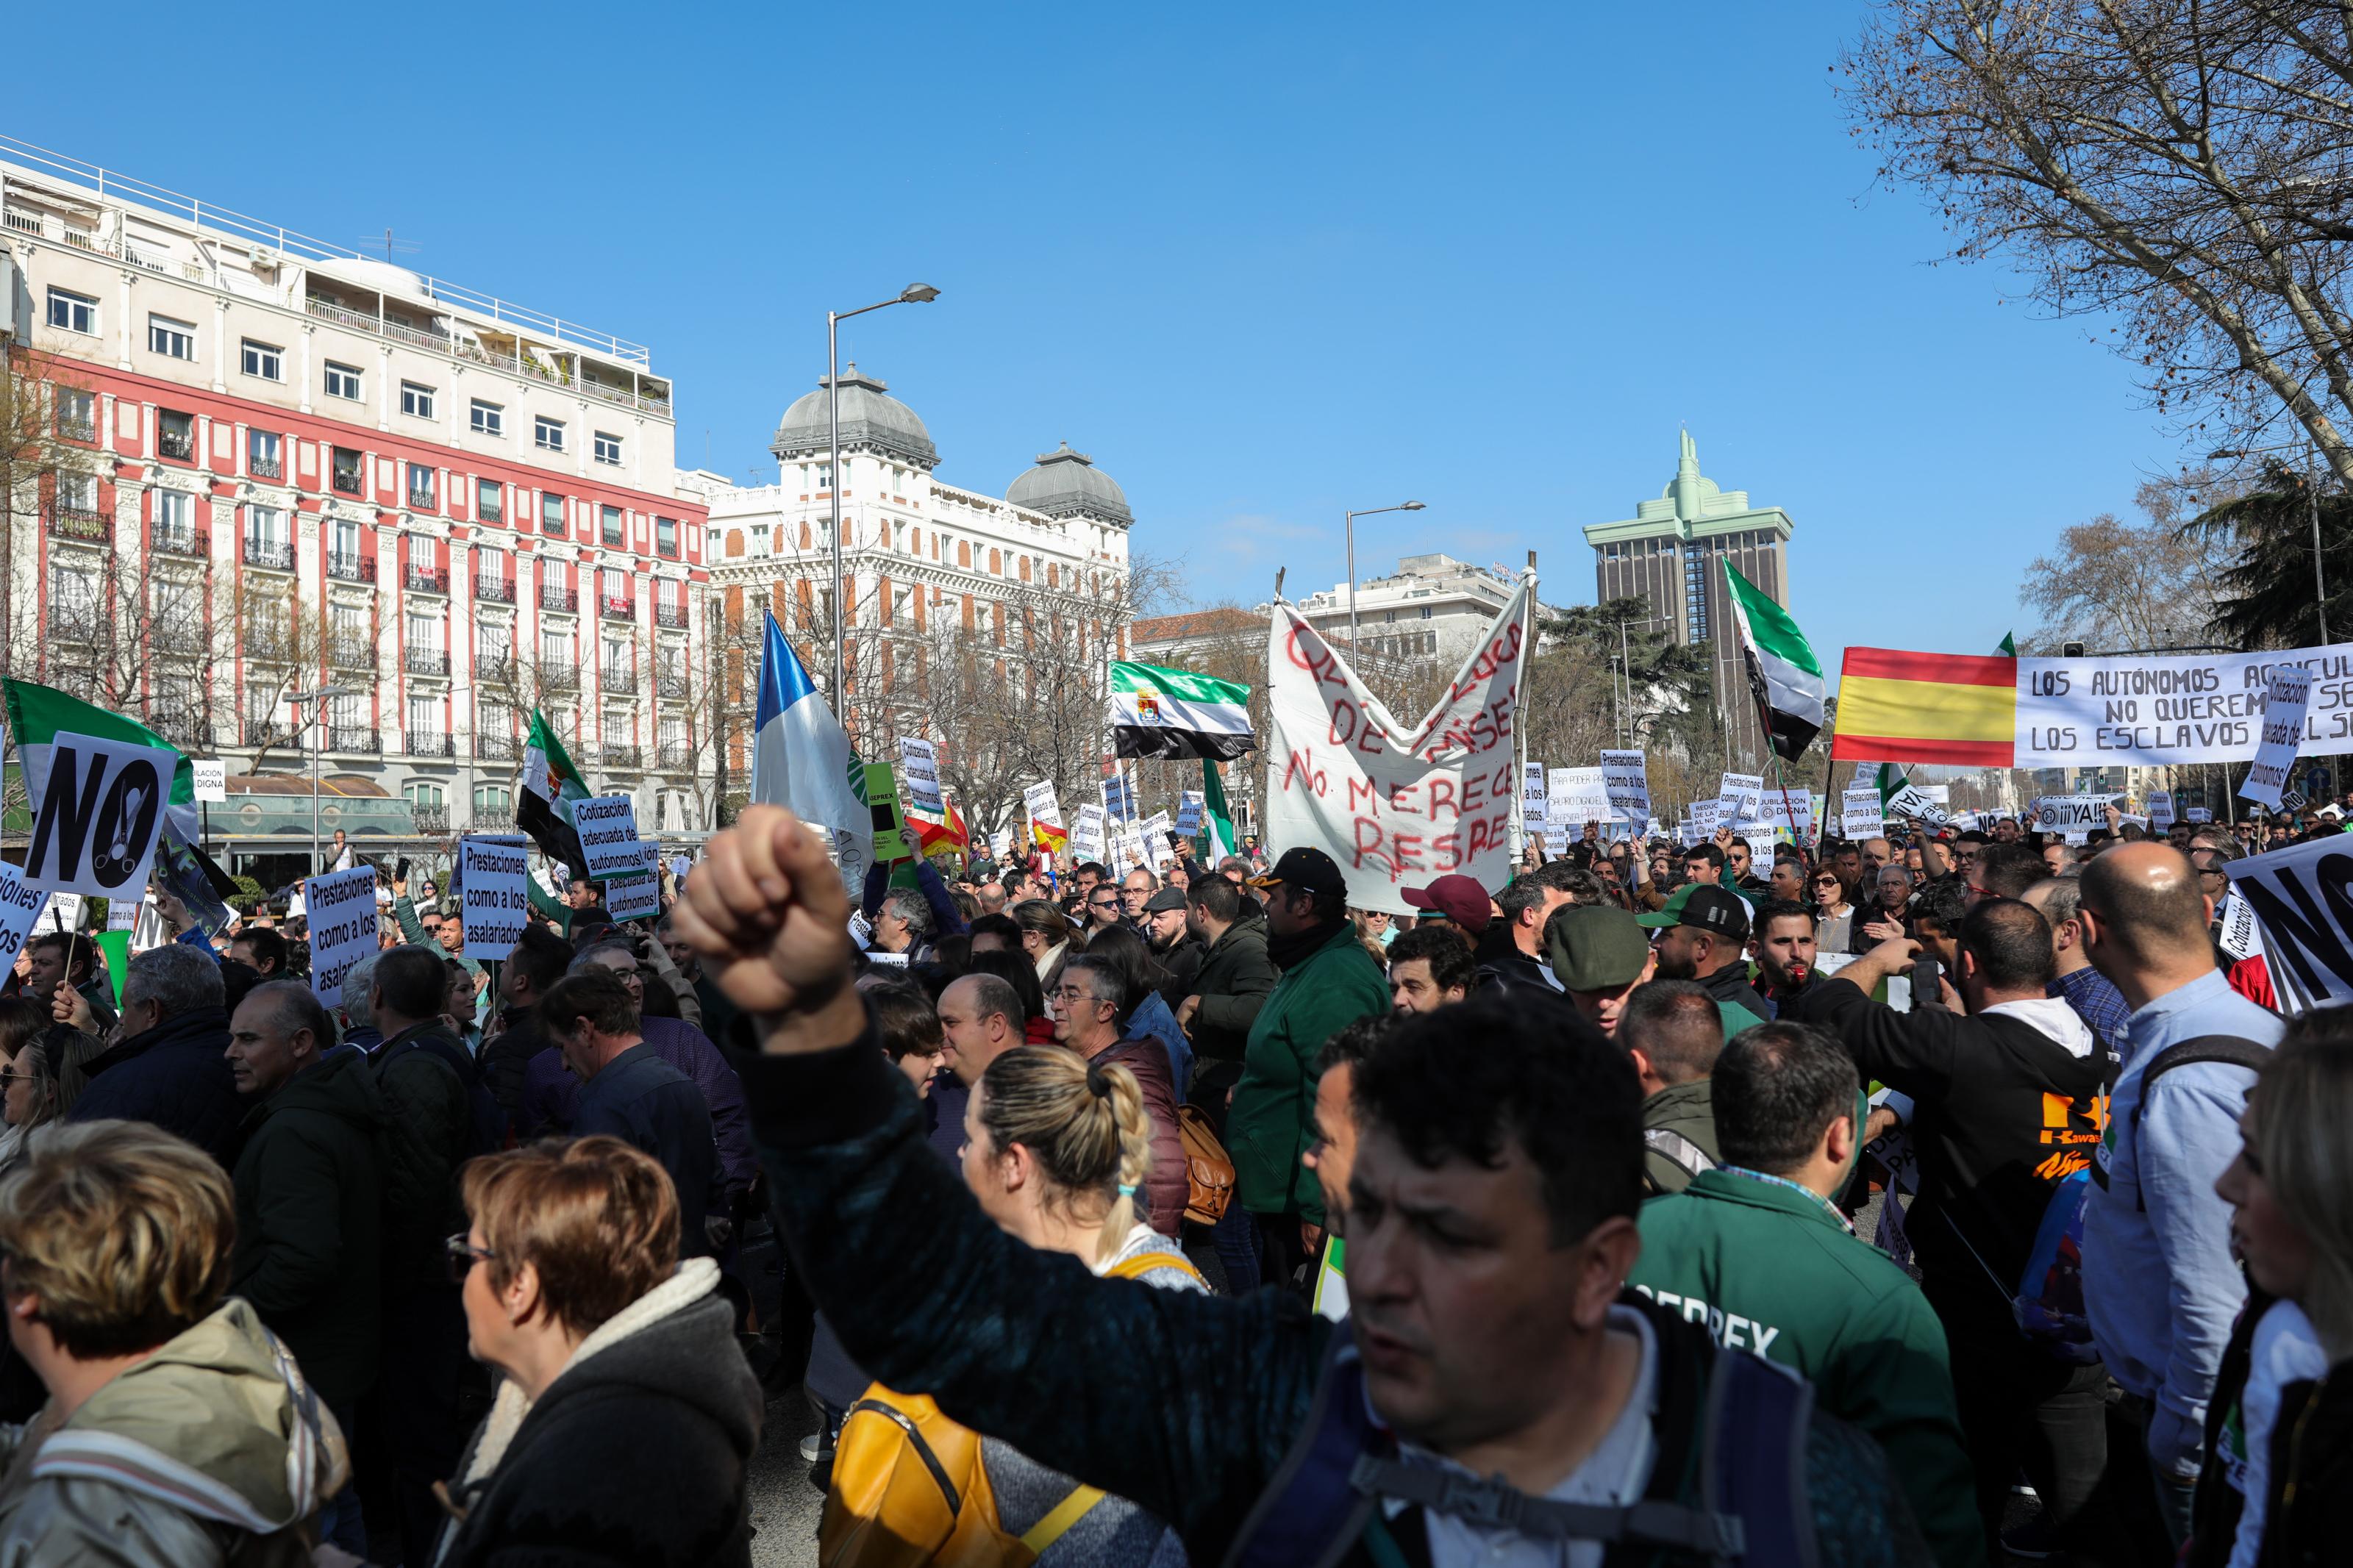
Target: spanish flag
column 1954, row 709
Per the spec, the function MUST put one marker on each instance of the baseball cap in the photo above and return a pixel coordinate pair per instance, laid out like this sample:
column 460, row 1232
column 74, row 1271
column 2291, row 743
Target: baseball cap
column 1459, row 898
column 1310, row 869
column 1593, row 947
column 1708, row 907
column 1164, row 901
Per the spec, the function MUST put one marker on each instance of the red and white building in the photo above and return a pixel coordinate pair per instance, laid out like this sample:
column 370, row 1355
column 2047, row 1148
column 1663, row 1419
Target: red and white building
column 317, row 468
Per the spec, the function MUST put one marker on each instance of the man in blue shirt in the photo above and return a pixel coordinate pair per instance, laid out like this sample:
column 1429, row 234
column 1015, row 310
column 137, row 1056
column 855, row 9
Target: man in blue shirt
column 629, row 1092
column 2159, row 1284
column 2091, row 993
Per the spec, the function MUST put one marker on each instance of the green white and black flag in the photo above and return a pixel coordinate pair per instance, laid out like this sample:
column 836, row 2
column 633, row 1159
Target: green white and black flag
column 1782, row 669
column 1157, row 713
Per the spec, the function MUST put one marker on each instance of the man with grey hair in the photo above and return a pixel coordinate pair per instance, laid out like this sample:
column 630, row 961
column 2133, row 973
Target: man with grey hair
column 359, row 1006
column 904, row 924
column 167, row 1069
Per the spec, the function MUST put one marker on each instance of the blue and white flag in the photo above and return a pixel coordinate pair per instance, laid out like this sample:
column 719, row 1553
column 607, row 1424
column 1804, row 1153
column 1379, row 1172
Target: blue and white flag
column 800, row 754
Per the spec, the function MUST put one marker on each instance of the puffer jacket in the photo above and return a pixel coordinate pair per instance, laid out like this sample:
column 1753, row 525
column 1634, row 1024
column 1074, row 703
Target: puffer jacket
column 635, row 1454
column 1165, row 1185
column 113, row 1484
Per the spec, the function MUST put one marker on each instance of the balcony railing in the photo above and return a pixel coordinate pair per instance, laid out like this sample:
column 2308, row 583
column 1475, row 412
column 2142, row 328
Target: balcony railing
column 180, row 635
column 191, row 730
column 497, row 590
column 425, row 660
column 178, row 444
column 552, row 597
column 555, row 675
column 494, row 748
column 428, row 744
column 183, row 539
column 73, row 428
column 614, row 536
column 669, row 683
column 673, row 753
column 348, row 480
column 670, row 616
column 277, row 554
column 433, row 819
column 342, row 738
column 79, row 522
column 620, row 682
column 266, row 468
column 624, row 756
column 260, row 732
column 494, row 667
column 426, row 580
column 620, row 609
column 351, row 652
column 359, row 568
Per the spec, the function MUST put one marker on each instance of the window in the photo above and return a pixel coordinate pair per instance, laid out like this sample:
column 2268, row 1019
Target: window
column 493, row 641
column 349, row 626
column 265, row 454
column 555, row 644
column 547, row 434
column 344, row 549
column 175, row 521
column 420, row 553
column 620, row 654
column 77, row 413
column 489, row 501
column 73, row 595
column 261, row 360
column 420, row 486
column 176, row 434
column 424, row 631
column 343, row 381
column 425, row 718
column 349, row 470
column 550, row 514
column 74, row 312
column 490, row 418
column 173, row 340
column 269, row 540
column 613, row 533
column 608, row 449
column 490, row 566
column 416, row 401
column 665, row 536
column 493, row 801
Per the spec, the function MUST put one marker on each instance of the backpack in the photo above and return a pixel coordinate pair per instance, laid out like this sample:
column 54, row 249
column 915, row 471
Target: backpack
column 1745, row 1450
column 909, row 1487
column 2232, row 1048
column 1209, row 1169
column 1677, row 1151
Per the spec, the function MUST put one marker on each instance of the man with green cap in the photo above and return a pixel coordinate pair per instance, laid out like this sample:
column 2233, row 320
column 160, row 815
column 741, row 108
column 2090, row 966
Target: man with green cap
column 1599, row 955
column 1755, row 1249
column 1704, row 936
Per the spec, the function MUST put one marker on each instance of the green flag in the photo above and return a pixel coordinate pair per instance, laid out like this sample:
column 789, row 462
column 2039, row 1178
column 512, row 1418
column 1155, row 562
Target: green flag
column 2008, row 648
column 550, row 787
column 1217, row 822
column 1782, row 669
column 1159, row 712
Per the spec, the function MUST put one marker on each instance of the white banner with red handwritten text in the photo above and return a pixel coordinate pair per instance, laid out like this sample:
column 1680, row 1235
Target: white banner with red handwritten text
column 1396, row 806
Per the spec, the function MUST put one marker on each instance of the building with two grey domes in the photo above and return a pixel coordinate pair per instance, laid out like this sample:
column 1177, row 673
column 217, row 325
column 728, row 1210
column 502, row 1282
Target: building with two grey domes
column 922, row 558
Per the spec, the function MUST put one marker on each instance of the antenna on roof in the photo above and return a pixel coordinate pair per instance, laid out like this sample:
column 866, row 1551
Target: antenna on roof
column 391, row 246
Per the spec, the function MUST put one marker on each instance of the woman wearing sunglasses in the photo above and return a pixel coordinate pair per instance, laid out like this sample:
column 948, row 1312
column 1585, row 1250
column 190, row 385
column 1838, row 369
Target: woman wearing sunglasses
column 1833, row 903
column 31, row 1096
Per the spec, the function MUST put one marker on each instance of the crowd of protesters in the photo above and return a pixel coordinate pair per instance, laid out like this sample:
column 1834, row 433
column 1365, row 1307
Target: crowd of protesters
column 1656, row 1206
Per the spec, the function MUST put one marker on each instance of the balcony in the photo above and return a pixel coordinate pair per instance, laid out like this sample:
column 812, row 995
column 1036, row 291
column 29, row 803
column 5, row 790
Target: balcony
column 552, row 597
column 179, row 539
column 494, row 748
column 669, row 683
column 420, row 500
column 77, row 428
column 277, row 554
column 342, row 738
column 259, row 733
column 556, row 674
column 614, row 537
column 351, row 653
column 619, row 609
column 83, row 522
column 190, row 730
column 496, row 666
column 180, row 635
column 346, row 479
column 262, row 468
column 670, row 616
column 358, row 567
column 267, row 644
column 425, row 660
column 180, row 444
column 673, row 753
column 425, row 580
column 432, row 819
column 631, row 757
column 428, row 744
column 495, row 590
column 618, row 681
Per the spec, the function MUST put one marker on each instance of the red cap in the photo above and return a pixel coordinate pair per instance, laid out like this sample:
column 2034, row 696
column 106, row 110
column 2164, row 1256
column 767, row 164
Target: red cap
column 1459, row 898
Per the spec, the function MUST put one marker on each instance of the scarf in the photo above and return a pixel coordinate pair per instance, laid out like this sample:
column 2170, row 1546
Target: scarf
column 1289, row 952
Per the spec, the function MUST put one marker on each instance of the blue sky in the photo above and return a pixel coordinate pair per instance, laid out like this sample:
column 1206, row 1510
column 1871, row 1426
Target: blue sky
column 1264, row 263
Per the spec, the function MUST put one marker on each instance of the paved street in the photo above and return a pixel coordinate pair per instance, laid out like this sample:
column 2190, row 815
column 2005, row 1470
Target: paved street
column 784, row 1505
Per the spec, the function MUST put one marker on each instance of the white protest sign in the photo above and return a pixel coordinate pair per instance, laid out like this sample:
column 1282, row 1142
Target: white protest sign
column 212, row 779
column 2199, row 813
column 1859, row 813
column 2160, row 809
column 20, row 907
column 919, row 779
column 64, row 912
column 2287, row 693
column 2299, row 894
column 1044, row 810
column 1741, row 794
column 2073, row 815
column 122, row 914
column 492, row 898
column 1795, row 812
column 1154, row 831
column 341, row 911
column 2171, row 709
column 1707, row 816
column 1914, row 801
column 1087, row 834
column 1000, row 843
column 1394, row 805
column 1688, row 831
column 1626, row 777
column 2239, row 933
column 1532, row 799
column 1190, row 803
column 607, row 824
column 1574, row 796
column 96, row 815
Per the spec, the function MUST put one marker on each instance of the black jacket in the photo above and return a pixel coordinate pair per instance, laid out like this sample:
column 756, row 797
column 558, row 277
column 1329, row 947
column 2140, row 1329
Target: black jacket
column 1183, row 963
column 173, row 1076
column 428, row 1112
column 1731, row 985
column 2309, row 1517
column 506, row 1053
column 635, row 1458
column 650, row 1105
column 1235, row 978
column 1503, row 967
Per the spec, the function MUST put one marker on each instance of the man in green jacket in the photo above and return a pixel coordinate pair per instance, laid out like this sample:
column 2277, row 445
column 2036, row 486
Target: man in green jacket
column 1229, row 989
column 1755, row 1250
column 1670, row 1031
column 1328, row 982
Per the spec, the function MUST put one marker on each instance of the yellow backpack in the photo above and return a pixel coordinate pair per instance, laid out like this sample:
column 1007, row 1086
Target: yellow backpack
column 909, row 1487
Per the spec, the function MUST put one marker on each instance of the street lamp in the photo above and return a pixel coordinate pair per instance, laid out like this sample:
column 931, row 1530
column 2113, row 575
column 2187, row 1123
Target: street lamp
column 2312, row 485
column 318, row 715
column 913, row 294
column 1351, row 526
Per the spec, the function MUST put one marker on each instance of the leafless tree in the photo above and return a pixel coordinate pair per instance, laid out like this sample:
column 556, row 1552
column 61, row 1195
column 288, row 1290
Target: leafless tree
column 47, row 459
column 2116, row 584
column 2179, row 167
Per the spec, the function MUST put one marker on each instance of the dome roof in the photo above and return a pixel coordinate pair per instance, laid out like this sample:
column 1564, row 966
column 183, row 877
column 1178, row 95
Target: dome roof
column 871, row 416
column 1068, row 484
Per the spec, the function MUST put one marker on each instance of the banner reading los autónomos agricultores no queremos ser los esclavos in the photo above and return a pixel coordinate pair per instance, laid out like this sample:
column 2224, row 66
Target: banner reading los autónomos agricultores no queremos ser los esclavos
column 1395, row 807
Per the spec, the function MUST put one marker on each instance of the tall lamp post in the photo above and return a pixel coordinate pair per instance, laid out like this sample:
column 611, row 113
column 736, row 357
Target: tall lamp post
column 1351, row 526
column 318, row 716
column 913, row 294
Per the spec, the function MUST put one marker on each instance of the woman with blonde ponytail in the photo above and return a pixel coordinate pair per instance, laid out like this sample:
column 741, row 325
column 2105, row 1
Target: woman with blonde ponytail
column 1056, row 1150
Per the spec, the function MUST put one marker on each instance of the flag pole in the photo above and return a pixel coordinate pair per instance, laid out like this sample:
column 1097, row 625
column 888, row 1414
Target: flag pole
column 1780, row 774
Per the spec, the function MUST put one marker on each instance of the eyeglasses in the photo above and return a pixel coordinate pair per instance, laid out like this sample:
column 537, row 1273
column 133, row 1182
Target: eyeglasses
column 463, row 1256
column 1072, row 993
